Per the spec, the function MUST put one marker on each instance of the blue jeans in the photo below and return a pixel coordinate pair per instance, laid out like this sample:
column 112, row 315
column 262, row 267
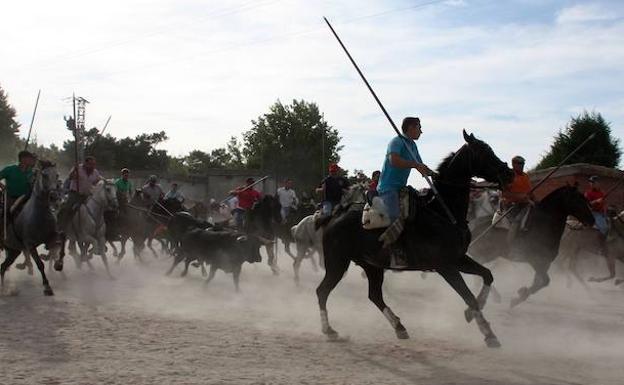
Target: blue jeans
column 239, row 217
column 391, row 200
column 601, row 222
column 326, row 208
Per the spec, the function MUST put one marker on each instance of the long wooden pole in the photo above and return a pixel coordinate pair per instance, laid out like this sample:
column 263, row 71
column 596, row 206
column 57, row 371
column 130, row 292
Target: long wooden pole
column 383, row 109
column 245, row 189
column 32, row 120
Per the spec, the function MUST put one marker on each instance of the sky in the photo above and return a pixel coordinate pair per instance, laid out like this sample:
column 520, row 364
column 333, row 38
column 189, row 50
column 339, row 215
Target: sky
column 511, row 72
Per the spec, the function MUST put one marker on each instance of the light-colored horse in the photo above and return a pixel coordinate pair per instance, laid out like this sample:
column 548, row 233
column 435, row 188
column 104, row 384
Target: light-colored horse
column 308, row 240
column 483, row 204
column 87, row 226
column 577, row 239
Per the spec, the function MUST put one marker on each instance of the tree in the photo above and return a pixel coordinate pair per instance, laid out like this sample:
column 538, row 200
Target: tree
column 603, row 149
column 293, row 141
column 138, row 153
column 8, row 130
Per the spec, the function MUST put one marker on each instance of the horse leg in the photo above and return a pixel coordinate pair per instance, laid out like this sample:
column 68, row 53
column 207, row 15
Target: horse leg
column 58, row 265
column 468, row 265
column 102, row 252
column 375, row 277
column 122, row 252
column 540, row 281
column 272, row 260
column 287, row 249
column 115, row 252
column 297, row 262
column 452, row 276
column 187, row 262
column 149, row 246
column 211, row 274
column 236, row 276
column 176, row 260
column 26, row 264
column 610, row 258
column 315, row 267
column 11, row 256
column 335, row 270
column 47, row 290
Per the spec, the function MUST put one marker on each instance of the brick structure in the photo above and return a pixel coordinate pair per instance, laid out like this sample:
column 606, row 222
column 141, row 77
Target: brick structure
column 579, row 173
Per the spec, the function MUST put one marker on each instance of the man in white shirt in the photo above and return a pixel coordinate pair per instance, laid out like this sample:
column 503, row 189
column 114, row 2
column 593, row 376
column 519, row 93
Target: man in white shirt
column 287, row 198
column 81, row 182
column 152, row 192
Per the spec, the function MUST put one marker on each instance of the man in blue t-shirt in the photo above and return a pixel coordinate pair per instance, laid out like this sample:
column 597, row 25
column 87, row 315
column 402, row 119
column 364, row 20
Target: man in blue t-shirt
column 398, row 164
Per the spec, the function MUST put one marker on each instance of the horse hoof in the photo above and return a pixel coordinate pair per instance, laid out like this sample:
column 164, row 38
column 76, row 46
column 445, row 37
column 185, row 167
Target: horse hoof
column 58, row 266
column 618, row 282
column 468, row 313
column 48, row 291
column 45, row 257
column 492, row 342
column 20, row 266
column 401, row 334
column 523, row 292
column 332, row 336
column 515, row 302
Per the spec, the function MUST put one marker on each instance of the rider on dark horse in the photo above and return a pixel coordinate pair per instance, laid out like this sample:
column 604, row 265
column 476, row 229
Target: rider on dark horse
column 18, row 178
column 517, row 197
column 398, row 163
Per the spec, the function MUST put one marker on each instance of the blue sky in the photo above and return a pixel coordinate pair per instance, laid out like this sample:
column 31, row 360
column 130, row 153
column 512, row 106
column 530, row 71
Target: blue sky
column 513, row 72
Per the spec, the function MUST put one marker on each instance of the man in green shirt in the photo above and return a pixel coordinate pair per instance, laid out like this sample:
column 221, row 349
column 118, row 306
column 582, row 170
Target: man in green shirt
column 18, row 177
column 124, row 186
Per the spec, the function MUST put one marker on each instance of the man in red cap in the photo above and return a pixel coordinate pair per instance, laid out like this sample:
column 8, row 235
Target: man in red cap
column 331, row 189
column 247, row 196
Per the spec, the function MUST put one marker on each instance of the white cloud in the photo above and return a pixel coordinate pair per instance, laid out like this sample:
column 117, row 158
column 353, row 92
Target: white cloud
column 581, row 13
column 202, row 70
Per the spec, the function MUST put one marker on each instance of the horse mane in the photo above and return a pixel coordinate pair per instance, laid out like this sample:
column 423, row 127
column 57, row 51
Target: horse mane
column 443, row 166
column 553, row 195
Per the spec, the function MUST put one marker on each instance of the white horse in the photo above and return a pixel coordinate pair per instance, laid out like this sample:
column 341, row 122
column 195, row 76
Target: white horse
column 577, row 239
column 483, row 204
column 308, row 240
column 87, row 226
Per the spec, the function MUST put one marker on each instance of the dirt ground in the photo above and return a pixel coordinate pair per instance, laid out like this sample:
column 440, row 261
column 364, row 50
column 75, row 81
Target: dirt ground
column 145, row 328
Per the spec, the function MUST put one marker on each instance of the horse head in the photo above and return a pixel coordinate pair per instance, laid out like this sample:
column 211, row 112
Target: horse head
column 569, row 201
column 46, row 177
column 105, row 193
column 475, row 159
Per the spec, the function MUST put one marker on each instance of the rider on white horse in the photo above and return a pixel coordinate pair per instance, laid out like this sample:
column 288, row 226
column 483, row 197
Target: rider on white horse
column 81, row 183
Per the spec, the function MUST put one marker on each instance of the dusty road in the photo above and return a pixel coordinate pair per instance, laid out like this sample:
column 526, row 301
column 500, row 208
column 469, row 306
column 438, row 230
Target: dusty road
column 145, row 328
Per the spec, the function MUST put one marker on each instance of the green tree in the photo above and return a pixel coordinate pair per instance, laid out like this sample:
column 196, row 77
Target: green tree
column 8, row 130
column 138, row 153
column 603, row 149
column 293, row 141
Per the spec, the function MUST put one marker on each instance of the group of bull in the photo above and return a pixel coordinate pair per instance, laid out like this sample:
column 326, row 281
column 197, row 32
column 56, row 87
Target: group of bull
column 94, row 213
column 433, row 232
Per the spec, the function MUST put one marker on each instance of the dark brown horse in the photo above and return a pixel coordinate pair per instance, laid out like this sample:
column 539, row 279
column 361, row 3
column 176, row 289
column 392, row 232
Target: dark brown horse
column 431, row 240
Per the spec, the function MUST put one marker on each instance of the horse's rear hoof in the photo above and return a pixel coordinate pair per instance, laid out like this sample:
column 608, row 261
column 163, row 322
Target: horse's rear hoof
column 331, row 334
column 401, row 334
column 468, row 313
column 492, row 342
column 48, row 292
column 20, row 266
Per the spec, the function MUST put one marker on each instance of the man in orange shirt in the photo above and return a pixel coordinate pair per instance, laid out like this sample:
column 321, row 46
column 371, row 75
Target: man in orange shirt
column 517, row 195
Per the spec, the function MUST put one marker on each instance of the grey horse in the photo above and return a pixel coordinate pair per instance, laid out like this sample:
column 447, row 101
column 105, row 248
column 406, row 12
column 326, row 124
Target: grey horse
column 35, row 225
column 87, row 226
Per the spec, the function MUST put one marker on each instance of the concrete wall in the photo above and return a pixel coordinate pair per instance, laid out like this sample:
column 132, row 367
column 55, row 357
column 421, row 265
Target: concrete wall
column 215, row 184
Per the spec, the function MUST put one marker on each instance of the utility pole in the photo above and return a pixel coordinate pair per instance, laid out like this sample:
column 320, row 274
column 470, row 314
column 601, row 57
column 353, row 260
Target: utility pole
column 76, row 123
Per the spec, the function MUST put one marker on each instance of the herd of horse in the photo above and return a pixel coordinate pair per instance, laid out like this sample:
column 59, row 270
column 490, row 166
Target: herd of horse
column 432, row 240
